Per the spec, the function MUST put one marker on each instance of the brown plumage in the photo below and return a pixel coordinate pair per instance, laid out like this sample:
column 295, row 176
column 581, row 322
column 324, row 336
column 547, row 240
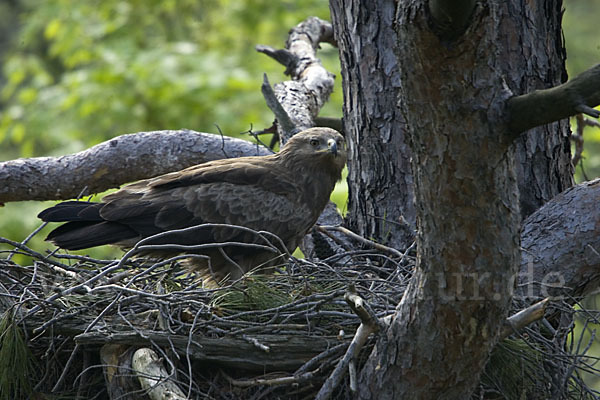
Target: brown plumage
column 283, row 193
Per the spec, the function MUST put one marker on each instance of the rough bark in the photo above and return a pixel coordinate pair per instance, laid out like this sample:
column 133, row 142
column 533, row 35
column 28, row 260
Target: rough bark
column 380, row 193
column 542, row 154
column 285, row 352
column 561, row 247
column 453, row 99
column 123, row 159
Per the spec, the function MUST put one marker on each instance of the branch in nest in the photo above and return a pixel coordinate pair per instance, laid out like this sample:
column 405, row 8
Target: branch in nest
column 523, row 318
column 284, row 380
column 369, row 324
column 153, row 376
column 326, row 228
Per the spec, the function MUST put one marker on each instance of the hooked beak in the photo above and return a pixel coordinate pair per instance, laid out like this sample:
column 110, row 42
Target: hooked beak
column 332, row 146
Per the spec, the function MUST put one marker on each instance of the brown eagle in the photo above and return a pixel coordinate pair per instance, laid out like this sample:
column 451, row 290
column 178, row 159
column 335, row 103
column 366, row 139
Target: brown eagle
column 282, row 193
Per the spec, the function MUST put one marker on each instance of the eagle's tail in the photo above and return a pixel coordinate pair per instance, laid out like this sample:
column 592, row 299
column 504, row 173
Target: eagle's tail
column 84, row 226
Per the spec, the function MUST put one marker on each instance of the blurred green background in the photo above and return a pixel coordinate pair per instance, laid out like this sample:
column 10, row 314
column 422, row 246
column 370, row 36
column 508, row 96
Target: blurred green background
column 78, row 72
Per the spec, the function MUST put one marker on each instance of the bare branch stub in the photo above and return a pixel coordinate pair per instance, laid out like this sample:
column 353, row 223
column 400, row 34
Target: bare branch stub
column 524, row 317
column 578, row 95
column 311, row 83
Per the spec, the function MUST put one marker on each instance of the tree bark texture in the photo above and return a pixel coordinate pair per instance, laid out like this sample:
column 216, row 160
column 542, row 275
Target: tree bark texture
column 380, row 201
column 380, row 197
column 561, row 247
column 107, row 165
column 452, row 96
column 536, row 56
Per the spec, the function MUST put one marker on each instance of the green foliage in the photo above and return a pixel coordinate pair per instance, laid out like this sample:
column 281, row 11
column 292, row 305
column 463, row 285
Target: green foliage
column 16, row 362
column 262, row 292
column 257, row 293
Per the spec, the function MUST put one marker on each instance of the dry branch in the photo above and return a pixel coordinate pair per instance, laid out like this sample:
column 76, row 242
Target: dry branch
column 369, row 324
column 577, row 136
column 287, row 352
column 153, row 377
column 124, row 159
column 525, row 317
column 311, row 84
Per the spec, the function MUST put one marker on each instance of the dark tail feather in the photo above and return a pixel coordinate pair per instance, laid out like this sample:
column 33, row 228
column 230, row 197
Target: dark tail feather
column 72, row 211
column 82, row 235
column 85, row 227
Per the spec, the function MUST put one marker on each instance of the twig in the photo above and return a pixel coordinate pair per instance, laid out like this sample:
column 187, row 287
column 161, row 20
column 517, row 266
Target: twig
column 524, row 317
column 28, row 238
column 577, row 138
column 284, row 380
column 369, row 324
column 273, row 103
column 370, row 243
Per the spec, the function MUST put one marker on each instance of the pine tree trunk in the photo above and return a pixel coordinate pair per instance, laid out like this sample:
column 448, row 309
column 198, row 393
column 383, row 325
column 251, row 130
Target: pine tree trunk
column 451, row 92
column 380, row 198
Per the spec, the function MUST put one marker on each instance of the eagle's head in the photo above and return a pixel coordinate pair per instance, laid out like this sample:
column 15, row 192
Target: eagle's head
column 322, row 149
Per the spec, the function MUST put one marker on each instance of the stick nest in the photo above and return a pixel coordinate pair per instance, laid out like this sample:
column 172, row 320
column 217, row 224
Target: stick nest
column 71, row 324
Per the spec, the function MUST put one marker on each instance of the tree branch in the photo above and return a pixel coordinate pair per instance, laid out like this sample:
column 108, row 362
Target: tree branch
column 560, row 255
column 520, row 320
column 153, row 377
column 311, row 84
column 123, row 159
column 285, row 122
column 540, row 107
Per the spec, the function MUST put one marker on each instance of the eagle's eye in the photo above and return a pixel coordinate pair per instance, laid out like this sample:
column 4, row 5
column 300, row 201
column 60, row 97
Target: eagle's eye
column 314, row 142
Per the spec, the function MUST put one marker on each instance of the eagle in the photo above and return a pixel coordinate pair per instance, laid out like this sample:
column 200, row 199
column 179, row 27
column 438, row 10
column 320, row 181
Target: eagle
column 235, row 205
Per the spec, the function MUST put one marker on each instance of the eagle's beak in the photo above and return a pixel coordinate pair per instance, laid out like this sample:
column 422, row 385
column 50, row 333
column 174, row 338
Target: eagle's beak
column 332, row 146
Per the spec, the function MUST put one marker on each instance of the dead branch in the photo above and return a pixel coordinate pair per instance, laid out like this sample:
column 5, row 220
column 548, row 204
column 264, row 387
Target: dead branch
column 370, row 243
column 123, row 159
column 153, row 377
column 311, row 84
column 369, row 324
column 525, row 317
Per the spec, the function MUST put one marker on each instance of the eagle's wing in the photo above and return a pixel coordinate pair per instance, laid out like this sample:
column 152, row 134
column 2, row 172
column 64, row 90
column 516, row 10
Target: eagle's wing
column 243, row 193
